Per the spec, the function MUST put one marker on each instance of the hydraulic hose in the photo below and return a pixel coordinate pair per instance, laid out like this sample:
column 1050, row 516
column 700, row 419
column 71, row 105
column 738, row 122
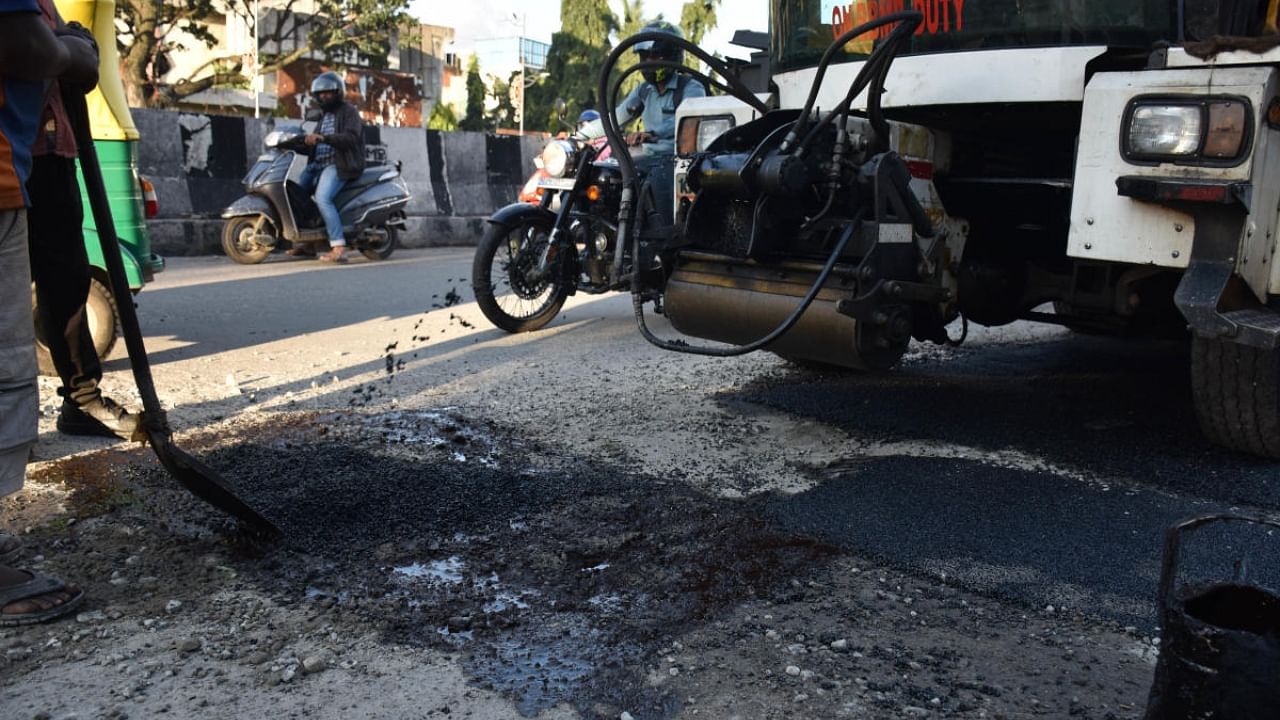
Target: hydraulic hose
column 608, row 116
column 653, row 64
column 910, row 19
column 874, row 71
column 637, row 304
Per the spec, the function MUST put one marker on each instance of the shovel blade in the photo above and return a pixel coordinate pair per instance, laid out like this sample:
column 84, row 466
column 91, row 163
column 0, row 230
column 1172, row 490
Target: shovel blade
column 205, row 483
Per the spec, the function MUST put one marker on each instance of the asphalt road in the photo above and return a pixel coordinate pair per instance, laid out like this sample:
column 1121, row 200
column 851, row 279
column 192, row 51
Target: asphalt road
column 1031, row 464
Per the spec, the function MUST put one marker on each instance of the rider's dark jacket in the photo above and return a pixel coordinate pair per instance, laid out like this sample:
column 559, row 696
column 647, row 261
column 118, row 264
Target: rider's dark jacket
column 347, row 141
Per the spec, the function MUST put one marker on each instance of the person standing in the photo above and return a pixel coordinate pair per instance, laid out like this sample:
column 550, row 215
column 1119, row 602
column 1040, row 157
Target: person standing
column 30, row 55
column 60, row 268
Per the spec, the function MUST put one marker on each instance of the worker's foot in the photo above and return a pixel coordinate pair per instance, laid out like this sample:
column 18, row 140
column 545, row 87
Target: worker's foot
column 301, row 250
column 101, row 417
column 28, row 597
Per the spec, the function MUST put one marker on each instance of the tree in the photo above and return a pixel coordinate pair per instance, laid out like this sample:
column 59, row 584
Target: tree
column 442, row 117
column 633, row 20
column 474, row 119
column 502, row 91
column 573, row 63
column 151, row 30
column 697, row 17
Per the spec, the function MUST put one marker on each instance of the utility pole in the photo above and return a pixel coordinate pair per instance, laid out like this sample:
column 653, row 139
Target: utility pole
column 254, row 84
column 524, row 21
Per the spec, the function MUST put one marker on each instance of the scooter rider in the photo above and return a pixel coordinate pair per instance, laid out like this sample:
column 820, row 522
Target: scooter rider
column 336, row 149
column 655, row 101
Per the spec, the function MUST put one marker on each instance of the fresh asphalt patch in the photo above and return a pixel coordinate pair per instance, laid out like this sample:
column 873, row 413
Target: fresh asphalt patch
column 557, row 579
column 1113, row 459
column 559, row 582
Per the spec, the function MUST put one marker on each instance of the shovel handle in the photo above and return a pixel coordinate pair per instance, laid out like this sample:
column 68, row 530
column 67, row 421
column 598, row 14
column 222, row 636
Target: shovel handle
column 78, row 115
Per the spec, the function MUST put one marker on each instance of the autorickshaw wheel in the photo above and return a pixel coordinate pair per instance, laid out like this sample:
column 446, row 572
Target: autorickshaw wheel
column 238, row 241
column 104, row 323
column 1236, row 392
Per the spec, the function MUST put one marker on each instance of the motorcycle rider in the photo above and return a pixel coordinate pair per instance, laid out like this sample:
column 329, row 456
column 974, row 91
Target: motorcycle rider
column 654, row 102
column 336, row 150
column 587, row 117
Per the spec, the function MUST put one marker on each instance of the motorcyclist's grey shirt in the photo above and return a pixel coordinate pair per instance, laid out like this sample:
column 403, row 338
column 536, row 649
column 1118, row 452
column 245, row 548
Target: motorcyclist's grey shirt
column 657, row 109
column 324, row 151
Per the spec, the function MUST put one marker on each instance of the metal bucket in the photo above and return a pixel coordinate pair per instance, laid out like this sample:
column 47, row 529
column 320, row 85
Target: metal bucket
column 1219, row 643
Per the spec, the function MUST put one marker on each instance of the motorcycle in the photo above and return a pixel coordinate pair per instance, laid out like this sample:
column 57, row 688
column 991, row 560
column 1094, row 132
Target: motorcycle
column 534, row 255
column 275, row 207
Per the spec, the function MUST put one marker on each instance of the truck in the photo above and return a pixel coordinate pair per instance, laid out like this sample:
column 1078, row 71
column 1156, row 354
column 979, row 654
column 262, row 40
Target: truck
column 1112, row 166
column 132, row 197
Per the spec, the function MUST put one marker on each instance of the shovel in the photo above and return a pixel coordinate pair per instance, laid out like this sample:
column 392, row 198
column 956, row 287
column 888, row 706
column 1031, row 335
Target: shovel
column 192, row 474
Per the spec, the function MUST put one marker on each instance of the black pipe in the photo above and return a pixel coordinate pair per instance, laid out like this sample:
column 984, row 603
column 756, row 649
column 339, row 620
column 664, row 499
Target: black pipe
column 637, row 304
column 909, row 18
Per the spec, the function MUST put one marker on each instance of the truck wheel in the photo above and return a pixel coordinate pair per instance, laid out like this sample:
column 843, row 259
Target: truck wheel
column 1236, row 390
column 238, row 242
column 104, row 321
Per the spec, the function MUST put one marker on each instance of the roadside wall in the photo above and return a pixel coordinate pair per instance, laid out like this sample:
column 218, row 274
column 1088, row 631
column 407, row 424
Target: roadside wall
column 197, row 163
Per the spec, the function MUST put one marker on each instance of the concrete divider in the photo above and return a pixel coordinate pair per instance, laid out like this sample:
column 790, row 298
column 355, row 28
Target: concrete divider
column 197, row 163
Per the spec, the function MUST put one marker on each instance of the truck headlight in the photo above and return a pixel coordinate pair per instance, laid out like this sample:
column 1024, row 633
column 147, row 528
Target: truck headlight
column 557, row 158
column 1193, row 130
column 696, row 133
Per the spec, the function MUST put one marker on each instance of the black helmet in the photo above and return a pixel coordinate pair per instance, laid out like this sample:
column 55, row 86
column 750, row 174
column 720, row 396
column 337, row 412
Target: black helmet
column 659, row 50
column 328, row 82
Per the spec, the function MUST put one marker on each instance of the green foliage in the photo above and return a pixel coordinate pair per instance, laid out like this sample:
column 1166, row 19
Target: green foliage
column 503, row 92
column 151, row 30
column 696, row 18
column 363, row 27
column 442, row 117
column 573, row 63
column 633, row 20
column 475, row 119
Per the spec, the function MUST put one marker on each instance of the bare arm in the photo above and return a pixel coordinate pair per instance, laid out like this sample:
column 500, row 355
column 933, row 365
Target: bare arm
column 28, row 48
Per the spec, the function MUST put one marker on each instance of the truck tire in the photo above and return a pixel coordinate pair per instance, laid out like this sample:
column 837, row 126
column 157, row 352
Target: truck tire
column 104, row 323
column 1236, row 392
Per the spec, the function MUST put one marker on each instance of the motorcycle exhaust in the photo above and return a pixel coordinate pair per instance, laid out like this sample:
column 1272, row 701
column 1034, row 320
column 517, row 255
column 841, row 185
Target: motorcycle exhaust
column 737, row 301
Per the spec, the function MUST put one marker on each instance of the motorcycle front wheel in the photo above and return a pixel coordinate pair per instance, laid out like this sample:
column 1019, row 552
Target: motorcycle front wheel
column 510, row 288
column 238, row 241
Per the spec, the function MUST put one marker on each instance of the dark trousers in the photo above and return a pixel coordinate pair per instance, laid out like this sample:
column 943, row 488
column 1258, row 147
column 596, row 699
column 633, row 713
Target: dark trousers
column 60, row 269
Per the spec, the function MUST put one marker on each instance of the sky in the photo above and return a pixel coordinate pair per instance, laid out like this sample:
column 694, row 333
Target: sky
column 481, row 19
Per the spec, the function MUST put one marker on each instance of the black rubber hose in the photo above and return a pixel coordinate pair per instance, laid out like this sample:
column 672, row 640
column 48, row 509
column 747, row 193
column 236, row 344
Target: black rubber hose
column 637, row 304
column 911, row 17
column 874, row 71
column 609, row 121
column 653, row 64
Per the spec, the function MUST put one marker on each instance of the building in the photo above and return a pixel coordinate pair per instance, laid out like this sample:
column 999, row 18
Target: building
column 387, row 96
column 433, row 61
column 520, row 59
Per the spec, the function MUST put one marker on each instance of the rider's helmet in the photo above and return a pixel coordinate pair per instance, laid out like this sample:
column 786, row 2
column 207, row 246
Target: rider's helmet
column 327, row 89
column 659, row 50
column 587, row 116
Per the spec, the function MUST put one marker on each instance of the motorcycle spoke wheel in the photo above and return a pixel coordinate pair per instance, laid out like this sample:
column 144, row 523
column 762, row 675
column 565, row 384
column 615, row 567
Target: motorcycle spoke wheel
column 519, row 289
column 518, row 286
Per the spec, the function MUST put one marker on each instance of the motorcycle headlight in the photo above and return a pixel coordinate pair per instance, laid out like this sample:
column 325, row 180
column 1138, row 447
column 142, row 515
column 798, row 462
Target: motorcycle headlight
column 1190, row 131
column 557, row 158
column 273, row 138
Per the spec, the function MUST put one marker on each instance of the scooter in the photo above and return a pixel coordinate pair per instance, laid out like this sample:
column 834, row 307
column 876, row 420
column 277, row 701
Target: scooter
column 276, row 207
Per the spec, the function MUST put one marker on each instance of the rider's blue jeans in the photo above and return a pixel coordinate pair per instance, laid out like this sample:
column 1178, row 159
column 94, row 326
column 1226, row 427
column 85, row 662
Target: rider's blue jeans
column 325, row 186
